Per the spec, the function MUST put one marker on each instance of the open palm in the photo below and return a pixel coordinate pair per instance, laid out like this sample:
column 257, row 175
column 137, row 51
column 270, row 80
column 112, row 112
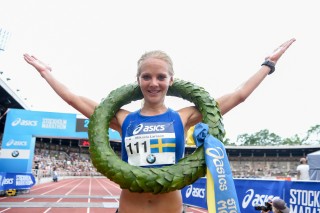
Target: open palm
column 277, row 53
column 36, row 63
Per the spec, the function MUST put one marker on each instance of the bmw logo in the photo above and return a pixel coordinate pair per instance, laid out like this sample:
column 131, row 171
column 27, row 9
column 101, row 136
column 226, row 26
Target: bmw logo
column 151, row 158
column 15, row 153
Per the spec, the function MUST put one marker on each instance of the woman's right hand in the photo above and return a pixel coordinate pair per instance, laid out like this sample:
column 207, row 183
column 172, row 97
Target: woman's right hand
column 36, row 63
column 82, row 104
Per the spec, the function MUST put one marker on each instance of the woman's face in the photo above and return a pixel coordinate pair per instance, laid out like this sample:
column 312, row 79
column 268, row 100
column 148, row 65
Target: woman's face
column 154, row 80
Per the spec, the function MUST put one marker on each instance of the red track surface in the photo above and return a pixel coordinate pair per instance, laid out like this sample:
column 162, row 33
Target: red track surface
column 80, row 195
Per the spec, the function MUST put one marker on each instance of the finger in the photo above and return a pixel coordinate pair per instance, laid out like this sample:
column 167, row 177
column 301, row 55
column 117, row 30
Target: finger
column 26, row 55
column 34, row 57
column 27, row 58
column 283, row 47
column 288, row 43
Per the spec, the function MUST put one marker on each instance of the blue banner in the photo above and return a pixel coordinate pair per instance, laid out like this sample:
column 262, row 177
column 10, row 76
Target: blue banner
column 49, row 124
column 23, row 126
column 42, row 123
column 17, row 153
column 221, row 193
column 303, row 196
column 300, row 196
column 256, row 192
column 195, row 194
column 16, row 181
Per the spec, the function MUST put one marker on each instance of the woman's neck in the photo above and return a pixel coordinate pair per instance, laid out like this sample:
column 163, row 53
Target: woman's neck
column 153, row 110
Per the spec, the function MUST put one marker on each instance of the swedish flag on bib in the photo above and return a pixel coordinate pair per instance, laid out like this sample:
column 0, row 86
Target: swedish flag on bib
column 221, row 192
column 162, row 145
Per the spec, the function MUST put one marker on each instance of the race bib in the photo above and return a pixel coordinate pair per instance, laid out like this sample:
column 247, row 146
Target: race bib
column 150, row 144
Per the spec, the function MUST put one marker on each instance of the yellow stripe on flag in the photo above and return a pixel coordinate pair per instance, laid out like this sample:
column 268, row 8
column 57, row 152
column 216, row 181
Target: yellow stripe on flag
column 190, row 140
column 211, row 201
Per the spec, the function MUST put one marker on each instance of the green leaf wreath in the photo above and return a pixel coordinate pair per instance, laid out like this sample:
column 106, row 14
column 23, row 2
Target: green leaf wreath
column 154, row 180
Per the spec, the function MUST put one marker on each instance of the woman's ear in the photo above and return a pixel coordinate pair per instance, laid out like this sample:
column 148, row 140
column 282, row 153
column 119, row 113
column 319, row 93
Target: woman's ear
column 171, row 81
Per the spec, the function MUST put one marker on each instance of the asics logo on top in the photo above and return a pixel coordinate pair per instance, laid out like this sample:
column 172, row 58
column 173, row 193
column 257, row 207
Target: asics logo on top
column 138, row 129
column 21, row 122
column 16, row 143
column 148, row 128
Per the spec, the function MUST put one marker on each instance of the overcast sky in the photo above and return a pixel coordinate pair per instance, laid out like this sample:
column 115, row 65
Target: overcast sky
column 93, row 47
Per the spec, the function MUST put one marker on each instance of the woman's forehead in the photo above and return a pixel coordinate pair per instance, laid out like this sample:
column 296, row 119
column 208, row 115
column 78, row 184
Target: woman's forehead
column 154, row 63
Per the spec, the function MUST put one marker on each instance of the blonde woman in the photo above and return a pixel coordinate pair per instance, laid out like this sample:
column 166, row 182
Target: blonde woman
column 155, row 74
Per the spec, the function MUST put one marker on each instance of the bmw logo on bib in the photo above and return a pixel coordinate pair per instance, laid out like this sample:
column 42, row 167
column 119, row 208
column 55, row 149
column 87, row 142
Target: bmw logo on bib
column 151, row 159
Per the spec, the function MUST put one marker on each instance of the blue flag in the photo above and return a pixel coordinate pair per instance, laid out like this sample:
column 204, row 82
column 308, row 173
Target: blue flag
column 221, row 192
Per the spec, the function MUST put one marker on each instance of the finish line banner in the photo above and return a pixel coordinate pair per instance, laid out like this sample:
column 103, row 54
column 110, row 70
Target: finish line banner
column 16, row 181
column 300, row 196
column 23, row 126
column 49, row 124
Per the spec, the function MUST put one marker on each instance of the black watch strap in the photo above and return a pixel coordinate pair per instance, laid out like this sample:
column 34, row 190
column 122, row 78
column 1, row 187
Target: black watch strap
column 269, row 64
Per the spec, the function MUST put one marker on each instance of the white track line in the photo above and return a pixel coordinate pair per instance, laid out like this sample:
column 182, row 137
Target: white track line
column 88, row 209
column 107, row 189
column 47, row 210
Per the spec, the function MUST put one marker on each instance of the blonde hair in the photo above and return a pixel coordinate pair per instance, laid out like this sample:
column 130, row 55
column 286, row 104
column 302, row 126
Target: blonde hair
column 158, row 54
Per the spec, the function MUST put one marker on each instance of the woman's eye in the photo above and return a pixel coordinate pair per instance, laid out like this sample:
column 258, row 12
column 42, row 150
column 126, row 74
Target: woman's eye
column 145, row 77
column 161, row 78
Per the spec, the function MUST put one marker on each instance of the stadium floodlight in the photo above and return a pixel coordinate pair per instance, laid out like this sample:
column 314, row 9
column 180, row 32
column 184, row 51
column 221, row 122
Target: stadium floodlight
column 4, row 35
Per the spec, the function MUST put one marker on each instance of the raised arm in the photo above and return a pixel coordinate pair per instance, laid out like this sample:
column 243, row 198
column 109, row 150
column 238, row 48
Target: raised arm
column 84, row 105
column 80, row 103
column 230, row 100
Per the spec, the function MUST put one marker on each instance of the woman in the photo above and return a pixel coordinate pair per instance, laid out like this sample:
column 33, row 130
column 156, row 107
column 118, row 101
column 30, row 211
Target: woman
column 154, row 76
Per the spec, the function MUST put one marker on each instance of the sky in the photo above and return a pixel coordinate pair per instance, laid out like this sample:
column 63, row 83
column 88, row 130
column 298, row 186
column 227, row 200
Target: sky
column 93, row 47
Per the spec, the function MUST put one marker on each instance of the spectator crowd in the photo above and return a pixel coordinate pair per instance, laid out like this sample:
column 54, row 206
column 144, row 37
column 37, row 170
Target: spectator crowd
column 72, row 164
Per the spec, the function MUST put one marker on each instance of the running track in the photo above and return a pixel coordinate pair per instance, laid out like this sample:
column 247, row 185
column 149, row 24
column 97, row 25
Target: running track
column 77, row 195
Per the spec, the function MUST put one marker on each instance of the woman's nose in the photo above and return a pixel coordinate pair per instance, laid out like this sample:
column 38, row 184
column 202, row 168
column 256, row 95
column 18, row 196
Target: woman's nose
column 154, row 81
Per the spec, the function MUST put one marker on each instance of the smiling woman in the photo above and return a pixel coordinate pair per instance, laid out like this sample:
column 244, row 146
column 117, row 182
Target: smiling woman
column 154, row 180
column 154, row 82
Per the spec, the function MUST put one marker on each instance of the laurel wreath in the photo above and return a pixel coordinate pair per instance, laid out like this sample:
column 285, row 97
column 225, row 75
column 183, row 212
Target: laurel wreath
column 154, row 180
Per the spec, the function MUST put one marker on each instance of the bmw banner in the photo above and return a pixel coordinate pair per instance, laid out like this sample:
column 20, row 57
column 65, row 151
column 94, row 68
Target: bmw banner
column 17, row 153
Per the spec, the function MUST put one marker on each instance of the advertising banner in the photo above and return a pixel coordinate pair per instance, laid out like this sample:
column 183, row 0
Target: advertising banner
column 23, row 126
column 300, row 196
column 47, row 124
column 16, row 181
column 303, row 196
column 17, row 153
column 195, row 194
column 252, row 192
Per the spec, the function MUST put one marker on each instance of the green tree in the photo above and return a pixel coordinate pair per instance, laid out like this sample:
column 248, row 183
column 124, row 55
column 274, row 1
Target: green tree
column 261, row 138
column 313, row 135
column 228, row 142
column 295, row 140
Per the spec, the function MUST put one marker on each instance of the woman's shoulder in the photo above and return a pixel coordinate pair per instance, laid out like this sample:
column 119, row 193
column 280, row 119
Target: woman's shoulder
column 187, row 111
column 190, row 116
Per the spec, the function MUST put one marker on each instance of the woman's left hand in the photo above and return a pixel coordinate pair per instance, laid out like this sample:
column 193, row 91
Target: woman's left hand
column 277, row 53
